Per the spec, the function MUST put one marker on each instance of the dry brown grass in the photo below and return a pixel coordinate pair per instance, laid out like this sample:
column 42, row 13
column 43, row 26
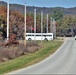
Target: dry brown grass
column 11, row 52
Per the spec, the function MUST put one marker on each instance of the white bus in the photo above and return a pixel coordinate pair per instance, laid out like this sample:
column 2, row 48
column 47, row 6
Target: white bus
column 39, row 36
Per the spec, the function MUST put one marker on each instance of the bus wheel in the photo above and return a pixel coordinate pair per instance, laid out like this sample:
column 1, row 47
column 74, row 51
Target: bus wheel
column 29, row 39
column 46, row 39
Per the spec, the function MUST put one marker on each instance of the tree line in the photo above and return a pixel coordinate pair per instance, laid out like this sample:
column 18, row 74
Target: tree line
column 65, row 25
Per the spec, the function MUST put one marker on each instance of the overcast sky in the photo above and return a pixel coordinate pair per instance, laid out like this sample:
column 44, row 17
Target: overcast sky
column 46, row 3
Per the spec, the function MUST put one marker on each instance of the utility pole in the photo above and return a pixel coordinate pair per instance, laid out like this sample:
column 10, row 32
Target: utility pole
column 8, row 20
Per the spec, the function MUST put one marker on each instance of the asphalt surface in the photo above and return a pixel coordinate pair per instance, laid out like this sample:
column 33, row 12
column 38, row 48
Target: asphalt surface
column 63, row 61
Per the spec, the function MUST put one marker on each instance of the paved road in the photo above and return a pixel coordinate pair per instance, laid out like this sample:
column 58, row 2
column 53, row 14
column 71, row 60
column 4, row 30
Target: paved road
column 63, row 61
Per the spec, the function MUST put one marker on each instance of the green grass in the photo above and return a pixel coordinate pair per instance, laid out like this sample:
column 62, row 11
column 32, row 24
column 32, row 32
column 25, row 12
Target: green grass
column 49, row 48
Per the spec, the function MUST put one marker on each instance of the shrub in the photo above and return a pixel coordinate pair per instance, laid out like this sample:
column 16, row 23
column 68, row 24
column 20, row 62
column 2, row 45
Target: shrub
column 11, row 52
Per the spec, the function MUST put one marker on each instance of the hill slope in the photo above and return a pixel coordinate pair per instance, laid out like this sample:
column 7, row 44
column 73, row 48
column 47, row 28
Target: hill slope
column 18, row 7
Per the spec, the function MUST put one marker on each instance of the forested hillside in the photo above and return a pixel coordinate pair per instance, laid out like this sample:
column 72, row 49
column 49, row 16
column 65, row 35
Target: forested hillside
column 65, row 20
column 67, row 11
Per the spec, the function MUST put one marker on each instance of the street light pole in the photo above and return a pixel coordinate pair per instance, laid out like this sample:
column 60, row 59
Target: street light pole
column 41, row 24
column 35, row 25
column 51, row 27
column 47, row 23
column 25, row 27
column 8, row 20
column 54, row 28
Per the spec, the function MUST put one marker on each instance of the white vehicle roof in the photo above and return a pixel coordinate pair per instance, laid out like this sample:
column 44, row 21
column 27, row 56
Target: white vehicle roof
column 39, row 33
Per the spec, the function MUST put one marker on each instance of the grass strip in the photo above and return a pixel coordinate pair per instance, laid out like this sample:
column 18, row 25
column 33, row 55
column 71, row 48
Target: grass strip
column 26, row 60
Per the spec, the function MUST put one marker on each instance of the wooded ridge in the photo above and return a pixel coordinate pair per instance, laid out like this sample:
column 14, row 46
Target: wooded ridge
column 18, row 7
